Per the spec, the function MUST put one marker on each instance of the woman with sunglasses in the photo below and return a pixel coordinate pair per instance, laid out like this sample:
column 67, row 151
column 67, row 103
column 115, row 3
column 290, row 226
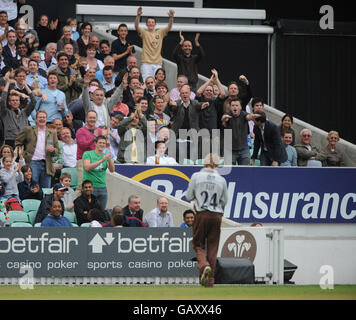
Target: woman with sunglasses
column 334, row 157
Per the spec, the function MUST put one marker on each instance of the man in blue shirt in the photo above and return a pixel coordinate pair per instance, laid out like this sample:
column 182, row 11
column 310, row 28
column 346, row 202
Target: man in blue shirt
column 55, row 217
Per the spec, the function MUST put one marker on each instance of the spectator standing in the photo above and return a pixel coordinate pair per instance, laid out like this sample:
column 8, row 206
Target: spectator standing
column 187, row 63
column 4, row 26
column 93, row 62
column 41, row 145
column 334, row 157
column 10, row 178
column 152, row 41
column 175, row 92
column 14, row 118
column 121, row 48
column 55, row 217
column 85, row 202
column 101, row 106
column 69, row 148
column 34, row 78
column 268, row 139
column 308, row 154
column 83, row 41
column 161, row 118
column 113, row 135
column 86, row 142
column 237, row 120
column 185, row 115
column 67, row 38
column 69, row 81
column 46, row 31
column 48, row 60
column 132, row 131
column 208, row 190
column 160, row 216
column 9, row 52
column 95, row 164
column 287, row 138
column 55, row 100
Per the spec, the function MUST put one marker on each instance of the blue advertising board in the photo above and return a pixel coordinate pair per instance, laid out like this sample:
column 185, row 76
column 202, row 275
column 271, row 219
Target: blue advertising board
column 266, row 194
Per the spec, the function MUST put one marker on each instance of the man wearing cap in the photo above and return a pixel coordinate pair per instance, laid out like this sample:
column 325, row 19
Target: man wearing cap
column 208, row 191
column 46, row 203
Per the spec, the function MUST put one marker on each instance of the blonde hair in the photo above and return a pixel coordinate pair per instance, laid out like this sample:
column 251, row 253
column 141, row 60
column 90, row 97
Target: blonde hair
column 211, row 160
column 333, row 132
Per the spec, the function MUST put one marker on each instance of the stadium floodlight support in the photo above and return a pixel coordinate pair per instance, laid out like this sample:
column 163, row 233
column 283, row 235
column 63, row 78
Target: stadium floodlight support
column 158, row 12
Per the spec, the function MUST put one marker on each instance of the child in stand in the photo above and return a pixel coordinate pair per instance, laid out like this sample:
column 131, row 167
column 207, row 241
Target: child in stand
column 10, row 177
column 69, row 195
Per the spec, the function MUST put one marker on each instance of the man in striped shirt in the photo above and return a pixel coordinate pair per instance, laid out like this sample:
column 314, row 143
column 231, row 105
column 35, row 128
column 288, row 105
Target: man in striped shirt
column 208, row 190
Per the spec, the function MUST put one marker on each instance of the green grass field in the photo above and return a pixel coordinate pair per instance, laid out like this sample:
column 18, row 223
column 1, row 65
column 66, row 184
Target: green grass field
column 219, row 292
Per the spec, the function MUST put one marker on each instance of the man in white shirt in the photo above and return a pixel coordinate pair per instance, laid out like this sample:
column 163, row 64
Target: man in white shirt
column 159, row 217
column 208, row 190
column 48, row 60
column 69, row 148
column 160, row 158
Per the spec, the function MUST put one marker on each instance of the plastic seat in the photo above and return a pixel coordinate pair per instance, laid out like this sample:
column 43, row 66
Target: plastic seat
column 32, row 216
column 74, row 176
column 30, row 204
column 21, row 224
column 47, row 191
column 38, row 224
column 199, row 161
column 74, row 225
column 17, row 216
column 70, row 216
column 85, row 224
column 2, row 217
column 188, row 161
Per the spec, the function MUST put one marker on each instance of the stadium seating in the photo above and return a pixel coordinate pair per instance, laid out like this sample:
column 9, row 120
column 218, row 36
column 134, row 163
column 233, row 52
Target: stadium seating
column 30, row 204
column 38, row 224
column 74, row 225
column 47, row 191
column 74, row 176
column 70, row 216
column 2, row 217
column 21, row 224
column 32, row 216
column 18, row 216
column 188, row 161
column 85, row 224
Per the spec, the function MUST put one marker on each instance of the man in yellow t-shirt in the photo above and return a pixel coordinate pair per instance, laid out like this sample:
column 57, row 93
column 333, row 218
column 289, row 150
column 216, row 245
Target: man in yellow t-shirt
column 152, row 40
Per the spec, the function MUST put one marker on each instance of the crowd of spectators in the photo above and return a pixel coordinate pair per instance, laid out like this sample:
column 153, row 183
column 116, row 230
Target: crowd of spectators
column 72, row 100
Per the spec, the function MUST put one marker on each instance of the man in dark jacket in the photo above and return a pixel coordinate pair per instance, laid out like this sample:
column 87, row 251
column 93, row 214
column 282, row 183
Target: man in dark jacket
column 133, row 209
column 187, row 62
column 46, row 203
column 85, row 202
column 268, row 139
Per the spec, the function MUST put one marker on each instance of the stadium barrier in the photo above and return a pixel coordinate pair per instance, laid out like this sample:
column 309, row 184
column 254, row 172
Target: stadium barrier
column 42, row 256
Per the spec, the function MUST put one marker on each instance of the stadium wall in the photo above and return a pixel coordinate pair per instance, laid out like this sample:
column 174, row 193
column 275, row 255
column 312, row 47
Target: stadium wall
column 309, row 246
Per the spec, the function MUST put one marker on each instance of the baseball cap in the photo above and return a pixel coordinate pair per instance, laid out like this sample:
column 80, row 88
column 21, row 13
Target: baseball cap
column 59, row 187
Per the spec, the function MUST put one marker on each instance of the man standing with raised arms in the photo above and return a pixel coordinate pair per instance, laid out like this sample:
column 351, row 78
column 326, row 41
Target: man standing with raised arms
column 152, row 41
column 208, row 190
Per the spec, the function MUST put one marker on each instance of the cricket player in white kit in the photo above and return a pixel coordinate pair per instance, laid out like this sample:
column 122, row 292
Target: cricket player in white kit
column 208, row 189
